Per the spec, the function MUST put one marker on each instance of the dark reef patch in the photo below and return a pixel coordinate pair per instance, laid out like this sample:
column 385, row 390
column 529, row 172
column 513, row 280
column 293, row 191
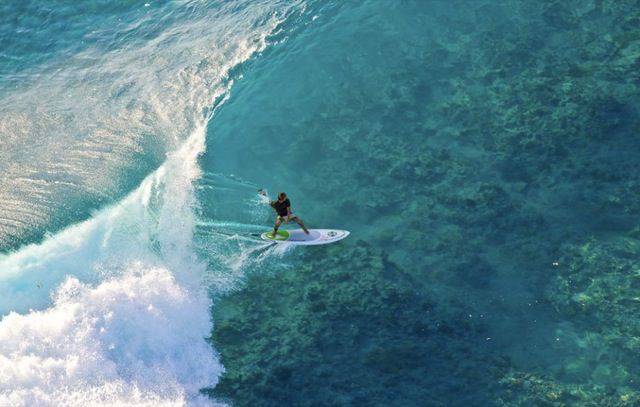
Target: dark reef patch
column 501, row 138
column 365, row 337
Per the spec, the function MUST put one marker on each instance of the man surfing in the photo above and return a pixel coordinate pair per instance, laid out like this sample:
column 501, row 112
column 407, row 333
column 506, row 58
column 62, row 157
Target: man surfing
column 282, row 206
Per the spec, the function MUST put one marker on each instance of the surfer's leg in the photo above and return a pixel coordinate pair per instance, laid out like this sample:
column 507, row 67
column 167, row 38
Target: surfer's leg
column 277, row 225
column 301, row 223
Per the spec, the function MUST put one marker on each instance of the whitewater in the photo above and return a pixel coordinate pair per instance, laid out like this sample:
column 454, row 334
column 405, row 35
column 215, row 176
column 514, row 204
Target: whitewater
column 113, row 309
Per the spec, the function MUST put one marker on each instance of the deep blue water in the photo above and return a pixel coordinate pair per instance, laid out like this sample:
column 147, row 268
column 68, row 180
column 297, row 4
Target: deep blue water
column 483, row 155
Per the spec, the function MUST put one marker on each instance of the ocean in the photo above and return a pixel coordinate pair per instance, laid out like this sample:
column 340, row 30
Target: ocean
column 483, row 155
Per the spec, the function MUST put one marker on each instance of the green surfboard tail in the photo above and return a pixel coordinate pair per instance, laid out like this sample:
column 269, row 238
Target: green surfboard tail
column 281, row 235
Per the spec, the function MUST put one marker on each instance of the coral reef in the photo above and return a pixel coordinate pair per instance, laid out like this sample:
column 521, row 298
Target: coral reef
column 322, row 334
column 501, row 139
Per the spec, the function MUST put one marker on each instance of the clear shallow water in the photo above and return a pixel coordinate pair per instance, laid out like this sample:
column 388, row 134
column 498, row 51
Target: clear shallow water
column 500, row 138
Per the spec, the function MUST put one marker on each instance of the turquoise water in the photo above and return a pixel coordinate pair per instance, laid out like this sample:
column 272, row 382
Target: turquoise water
column 483, row 155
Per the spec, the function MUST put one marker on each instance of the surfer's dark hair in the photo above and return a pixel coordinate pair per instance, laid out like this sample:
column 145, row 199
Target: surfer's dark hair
column 282, row 195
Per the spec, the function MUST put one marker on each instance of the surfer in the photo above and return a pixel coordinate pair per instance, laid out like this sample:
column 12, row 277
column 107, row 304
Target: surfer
column 282, row 206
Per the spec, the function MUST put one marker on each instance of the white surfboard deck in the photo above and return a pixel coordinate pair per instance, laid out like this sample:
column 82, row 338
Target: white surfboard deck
column 315, row 236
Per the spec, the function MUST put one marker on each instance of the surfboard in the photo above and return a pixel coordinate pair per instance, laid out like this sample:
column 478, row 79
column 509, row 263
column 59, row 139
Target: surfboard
column 298, row 237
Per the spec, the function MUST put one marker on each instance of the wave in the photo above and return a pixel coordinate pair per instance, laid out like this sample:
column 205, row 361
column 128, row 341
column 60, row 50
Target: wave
column 113, row 310
column 85, row 127
column 127, row 318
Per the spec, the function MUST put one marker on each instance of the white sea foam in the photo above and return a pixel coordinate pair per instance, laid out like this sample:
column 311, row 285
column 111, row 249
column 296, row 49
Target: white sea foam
column 137, row 339
column 112, row 311
column 127, row 319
